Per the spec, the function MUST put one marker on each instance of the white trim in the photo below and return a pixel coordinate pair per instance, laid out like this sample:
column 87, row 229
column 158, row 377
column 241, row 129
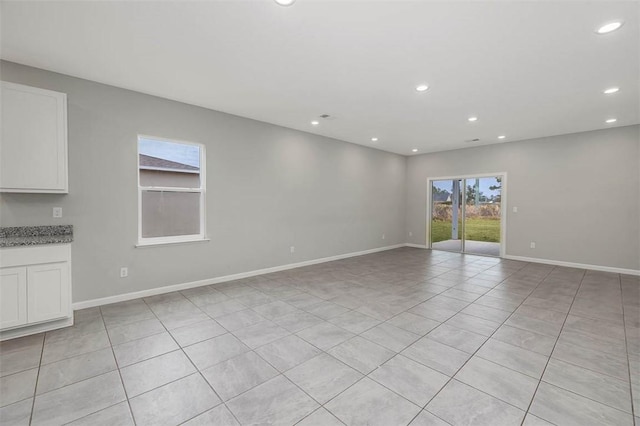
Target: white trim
column 184, row 286
column 166, row 169
column 503, row 205
column 164, row 242
column 41, row 327
column 588, row 266
column 170, row 189
column 202, row 190
column 157, row 241
column 575, row 265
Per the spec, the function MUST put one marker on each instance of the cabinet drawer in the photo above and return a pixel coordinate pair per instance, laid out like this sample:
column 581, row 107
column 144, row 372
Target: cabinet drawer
column 32, row 255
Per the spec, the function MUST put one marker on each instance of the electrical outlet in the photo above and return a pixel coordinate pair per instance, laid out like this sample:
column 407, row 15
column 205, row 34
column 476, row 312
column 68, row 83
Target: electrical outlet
column 410, row 234
column 57, row 212
column 293, row 249
column 383, row 236
column 532, row 245
column 124, row 272
column 515, row 209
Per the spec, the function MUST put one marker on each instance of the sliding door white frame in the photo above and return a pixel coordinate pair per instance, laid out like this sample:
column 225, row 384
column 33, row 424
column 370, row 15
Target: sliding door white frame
column 503, row 205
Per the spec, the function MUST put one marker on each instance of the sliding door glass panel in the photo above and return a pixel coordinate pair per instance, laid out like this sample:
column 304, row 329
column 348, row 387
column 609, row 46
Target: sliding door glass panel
column 446, row 214
column 482, row 215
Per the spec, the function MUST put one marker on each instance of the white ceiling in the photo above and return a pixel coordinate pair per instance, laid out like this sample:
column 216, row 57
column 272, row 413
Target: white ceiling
column 526, row 69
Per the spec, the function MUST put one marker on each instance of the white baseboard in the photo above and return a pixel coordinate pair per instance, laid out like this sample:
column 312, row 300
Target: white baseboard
column 559, row 263
column 184, row 286
column 575, row 265
column 35, row 328
column 421, row 246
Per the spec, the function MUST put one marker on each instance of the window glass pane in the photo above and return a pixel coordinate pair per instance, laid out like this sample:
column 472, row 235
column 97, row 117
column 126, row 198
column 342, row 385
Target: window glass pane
column 169, row 164
column 167, row 214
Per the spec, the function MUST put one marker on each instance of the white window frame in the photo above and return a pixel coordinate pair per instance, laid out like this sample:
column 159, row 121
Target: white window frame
column 151, row 241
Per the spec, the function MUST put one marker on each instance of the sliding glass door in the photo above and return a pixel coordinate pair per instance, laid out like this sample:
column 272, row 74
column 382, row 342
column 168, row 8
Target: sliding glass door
column 446, row 214
column 466, row 215
column 482, row 215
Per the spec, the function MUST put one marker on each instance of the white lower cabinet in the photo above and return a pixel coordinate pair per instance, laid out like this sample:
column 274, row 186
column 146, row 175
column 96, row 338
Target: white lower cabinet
column 13, row 297
column 47, row 291
column 35, row 289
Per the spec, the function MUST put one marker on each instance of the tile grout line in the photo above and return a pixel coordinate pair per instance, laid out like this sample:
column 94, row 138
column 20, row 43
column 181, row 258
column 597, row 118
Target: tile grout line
column 399, row 353
column 191, row 361
column 601, row 373
column 280, row 373
column 97, row 375
column 488, row 338
column 337, row 359
column 180, row 348
column 626, row 346
column 35, row 388
column 253, row 350
column 584, row 273
column 590, row 369
column 302, row 289
column 115, row 360
column 196, row 368
column 315, row 411
column 126, row 395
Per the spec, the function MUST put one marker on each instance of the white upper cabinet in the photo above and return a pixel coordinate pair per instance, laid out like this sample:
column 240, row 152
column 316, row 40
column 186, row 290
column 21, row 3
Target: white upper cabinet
column 33, row 148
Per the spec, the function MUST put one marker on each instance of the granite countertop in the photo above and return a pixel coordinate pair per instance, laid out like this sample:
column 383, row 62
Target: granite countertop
column 35, row 235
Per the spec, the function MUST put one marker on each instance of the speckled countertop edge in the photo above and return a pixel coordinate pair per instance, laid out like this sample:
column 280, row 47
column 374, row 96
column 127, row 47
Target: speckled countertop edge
column 35, row 235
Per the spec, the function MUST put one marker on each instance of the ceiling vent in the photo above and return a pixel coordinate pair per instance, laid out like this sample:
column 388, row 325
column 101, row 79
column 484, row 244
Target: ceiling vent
column 327, row 117
column 472, row 140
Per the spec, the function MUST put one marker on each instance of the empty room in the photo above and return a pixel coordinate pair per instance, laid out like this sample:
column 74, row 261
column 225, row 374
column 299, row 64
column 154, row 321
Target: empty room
column 319, row 213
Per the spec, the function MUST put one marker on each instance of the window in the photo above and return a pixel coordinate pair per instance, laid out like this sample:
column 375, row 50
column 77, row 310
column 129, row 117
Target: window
column 171, row 191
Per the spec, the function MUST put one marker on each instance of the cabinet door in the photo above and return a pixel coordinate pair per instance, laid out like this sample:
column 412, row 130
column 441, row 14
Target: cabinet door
column 13, row 297
column 33, row 150
column 48, row 291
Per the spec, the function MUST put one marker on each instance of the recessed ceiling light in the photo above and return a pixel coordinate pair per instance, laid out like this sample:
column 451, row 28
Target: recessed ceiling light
column 611, row 120
column 501, row 137
column 472, row 119
column 611, row 90
column 611, row 26
column 285, row 2
column 315, row 123
column 414, row 150
column 422, row 87
column 374, row 139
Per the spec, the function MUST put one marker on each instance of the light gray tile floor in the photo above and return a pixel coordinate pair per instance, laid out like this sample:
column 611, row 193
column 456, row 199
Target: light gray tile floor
column 406, row 336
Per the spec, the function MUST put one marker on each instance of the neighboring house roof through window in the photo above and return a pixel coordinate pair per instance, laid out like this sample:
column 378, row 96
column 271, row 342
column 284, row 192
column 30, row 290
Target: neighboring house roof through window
column 148, row 162
column 441, row 197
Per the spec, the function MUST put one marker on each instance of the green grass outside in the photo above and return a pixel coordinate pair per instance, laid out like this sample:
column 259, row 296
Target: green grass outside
column 477, row 229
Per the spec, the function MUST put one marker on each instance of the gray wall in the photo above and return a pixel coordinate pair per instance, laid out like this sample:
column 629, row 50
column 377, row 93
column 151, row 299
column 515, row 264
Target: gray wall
column 268, row 188
column 578, row 195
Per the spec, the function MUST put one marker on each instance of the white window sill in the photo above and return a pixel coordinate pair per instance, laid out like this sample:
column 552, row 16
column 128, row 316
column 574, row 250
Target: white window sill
column 147, row 244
